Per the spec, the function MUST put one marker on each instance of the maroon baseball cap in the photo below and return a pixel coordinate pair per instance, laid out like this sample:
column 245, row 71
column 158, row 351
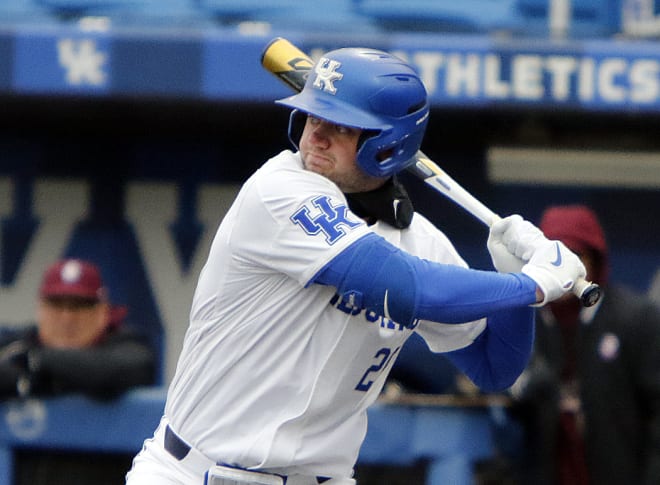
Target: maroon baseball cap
column 578, row 227
column 73, row 278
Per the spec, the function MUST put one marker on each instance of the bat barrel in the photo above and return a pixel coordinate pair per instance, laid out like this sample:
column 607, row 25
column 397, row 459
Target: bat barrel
column 287, row 62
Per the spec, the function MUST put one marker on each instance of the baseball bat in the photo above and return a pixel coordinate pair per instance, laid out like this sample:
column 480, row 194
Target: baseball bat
column 292, row 66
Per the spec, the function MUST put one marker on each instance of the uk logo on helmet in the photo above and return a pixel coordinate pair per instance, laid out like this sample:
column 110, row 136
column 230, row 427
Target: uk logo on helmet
column 326, row 75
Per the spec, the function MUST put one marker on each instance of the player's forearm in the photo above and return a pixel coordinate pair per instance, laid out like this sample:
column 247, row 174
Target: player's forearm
column 379, row 276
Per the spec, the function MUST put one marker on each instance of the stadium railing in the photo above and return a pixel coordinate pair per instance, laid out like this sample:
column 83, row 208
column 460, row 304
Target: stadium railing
column 448, row 435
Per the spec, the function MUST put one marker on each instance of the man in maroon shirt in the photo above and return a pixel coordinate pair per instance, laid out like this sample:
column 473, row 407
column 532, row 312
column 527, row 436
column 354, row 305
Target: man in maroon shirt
column 78, row 343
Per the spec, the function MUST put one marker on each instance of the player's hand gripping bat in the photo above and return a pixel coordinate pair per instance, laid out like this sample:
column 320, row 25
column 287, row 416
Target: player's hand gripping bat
column 292, row 66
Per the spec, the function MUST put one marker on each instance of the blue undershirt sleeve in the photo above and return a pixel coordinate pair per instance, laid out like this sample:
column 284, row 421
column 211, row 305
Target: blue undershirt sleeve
column 374, row 274
column 501, row 352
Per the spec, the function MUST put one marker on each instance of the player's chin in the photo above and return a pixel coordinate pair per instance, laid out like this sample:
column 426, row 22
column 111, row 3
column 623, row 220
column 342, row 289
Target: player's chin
column 318, row 164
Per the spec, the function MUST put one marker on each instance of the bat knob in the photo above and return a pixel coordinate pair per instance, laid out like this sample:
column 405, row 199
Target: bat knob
column 591, row 294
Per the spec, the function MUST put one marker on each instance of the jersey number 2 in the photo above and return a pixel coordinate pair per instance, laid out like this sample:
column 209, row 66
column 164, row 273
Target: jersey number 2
column 383, row 357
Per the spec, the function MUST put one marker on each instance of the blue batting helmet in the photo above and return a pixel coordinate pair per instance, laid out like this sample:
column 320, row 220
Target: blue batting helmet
column 374, row 91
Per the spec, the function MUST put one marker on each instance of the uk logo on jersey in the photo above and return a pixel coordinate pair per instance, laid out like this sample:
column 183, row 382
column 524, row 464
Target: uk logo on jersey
column 331, row 220
column 326, row 75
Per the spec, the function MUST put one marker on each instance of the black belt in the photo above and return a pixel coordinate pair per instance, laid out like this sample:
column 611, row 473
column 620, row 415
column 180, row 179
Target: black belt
column 179, row 449
column 174, row 445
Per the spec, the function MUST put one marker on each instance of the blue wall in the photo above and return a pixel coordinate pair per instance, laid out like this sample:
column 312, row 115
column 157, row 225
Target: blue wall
column 120, row 169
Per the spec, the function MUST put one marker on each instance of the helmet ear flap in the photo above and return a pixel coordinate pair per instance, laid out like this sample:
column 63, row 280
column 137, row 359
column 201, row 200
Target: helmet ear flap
column 391, row 151
column 297, row 120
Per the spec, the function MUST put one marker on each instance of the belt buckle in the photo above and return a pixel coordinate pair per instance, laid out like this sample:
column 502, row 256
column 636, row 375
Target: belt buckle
column 225, row 475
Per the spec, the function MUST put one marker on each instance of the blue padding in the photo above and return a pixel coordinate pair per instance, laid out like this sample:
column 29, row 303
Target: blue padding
column 448, row 439
column 79, row 423
column 390, row 437
column 456, row 469
column 419, row 289
column 438, row 434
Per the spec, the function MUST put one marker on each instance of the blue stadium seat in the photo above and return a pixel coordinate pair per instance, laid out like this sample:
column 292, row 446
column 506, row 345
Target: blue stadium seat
column 131, row 12
column 442, row 15
column 21, row 11
column 336, row 15
column 87, row 4
column 589, row 18
column 233, row 11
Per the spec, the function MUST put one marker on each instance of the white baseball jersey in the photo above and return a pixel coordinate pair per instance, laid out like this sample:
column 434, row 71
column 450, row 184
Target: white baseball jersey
column 277, row 373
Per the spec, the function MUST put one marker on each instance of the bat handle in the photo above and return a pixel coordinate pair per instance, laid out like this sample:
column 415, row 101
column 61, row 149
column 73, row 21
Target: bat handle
column 589, row 293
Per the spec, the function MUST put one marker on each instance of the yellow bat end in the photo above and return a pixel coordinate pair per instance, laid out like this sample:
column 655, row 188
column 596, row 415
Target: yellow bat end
column 287, row 62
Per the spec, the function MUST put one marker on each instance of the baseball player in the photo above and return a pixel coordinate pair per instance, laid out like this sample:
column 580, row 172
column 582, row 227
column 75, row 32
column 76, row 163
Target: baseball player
column 316, row 277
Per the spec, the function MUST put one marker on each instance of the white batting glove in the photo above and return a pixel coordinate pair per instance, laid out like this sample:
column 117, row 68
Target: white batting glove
column 511, row 242
column 503, row 260
column 521, row 237
column 555, row 269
